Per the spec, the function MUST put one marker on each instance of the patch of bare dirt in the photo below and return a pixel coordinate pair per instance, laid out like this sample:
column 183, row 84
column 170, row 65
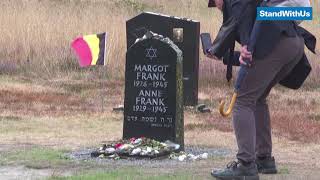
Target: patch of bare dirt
column 41, row 103
column 59, row 97
column 207, row 122
column 20, row 172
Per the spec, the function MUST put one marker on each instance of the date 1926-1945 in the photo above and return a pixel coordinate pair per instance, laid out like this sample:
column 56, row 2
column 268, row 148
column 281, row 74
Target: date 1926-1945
column 154, row 84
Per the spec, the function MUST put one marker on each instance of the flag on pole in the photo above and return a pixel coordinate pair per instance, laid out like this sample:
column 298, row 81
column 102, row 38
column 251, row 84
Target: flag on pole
column 91, row 49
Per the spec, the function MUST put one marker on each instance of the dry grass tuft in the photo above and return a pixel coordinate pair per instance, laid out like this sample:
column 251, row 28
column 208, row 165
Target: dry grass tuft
column 296, row 127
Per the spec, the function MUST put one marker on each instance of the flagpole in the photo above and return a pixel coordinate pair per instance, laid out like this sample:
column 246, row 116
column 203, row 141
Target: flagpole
column 103, row 73
column 101, row 91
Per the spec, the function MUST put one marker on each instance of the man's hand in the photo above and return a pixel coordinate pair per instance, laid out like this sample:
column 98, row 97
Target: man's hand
column 245, row 54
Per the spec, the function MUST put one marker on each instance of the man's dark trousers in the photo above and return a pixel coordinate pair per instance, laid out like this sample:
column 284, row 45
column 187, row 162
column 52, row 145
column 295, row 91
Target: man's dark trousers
column 251, row 117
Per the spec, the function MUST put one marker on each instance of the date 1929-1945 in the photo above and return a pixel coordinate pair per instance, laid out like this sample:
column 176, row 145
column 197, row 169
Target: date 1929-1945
column 154, row 109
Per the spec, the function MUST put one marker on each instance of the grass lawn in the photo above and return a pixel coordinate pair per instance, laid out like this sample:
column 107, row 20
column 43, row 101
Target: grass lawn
column 35, row 157
column 131, row 174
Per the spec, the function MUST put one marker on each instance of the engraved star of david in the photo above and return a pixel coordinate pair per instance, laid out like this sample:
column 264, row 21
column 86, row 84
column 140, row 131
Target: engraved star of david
column 151, row 53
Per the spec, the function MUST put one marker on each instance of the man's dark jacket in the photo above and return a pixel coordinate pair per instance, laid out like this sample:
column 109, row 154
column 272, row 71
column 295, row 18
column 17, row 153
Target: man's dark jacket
column 238, row 19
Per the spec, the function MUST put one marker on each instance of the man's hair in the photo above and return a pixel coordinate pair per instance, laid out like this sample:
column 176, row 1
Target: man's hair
column 211, row 3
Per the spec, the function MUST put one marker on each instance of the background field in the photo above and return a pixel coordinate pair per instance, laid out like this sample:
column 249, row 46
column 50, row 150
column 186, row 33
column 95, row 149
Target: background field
column 48, row 102
column 36, row 34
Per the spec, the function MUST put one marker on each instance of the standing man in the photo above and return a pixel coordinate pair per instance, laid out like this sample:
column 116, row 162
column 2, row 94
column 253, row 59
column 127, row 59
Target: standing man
column 276, row 54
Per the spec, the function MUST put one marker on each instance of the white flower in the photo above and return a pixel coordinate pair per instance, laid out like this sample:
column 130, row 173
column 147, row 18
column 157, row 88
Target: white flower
column 110, row 150
column 149, row 149
column 143, row 153
column 204, row 156
column 177, row 146
column 192, row 157
column 164, row 144
column 136, row 151
column 182, row 157
column 101, row 156
column 137, row 141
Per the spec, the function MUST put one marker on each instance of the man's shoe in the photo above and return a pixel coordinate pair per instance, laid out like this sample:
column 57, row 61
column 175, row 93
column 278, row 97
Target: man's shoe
column 237, row 171
column 266, row 165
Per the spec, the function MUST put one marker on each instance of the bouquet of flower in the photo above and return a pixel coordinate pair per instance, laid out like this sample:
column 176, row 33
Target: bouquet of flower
column 136, row 147
column 144, row 148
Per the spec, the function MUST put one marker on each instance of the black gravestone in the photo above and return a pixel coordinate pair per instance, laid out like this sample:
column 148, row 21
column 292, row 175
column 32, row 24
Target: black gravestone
column 184, row 33
column 153, row 104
